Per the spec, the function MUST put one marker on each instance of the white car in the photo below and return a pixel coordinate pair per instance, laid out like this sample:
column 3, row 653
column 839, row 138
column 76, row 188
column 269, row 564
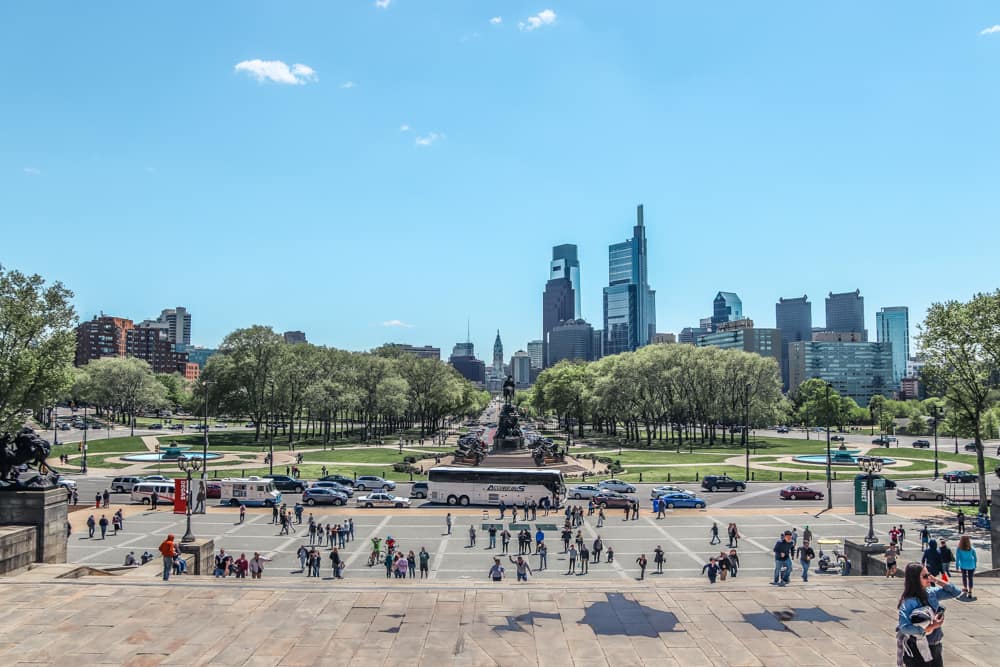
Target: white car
column 382, row 500
column 583, row 491
column 66, row 483
column 664, row 490
column 617, row 486
column 156, row 478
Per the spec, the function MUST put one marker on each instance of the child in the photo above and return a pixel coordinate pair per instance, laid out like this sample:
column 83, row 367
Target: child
column 611, row 554
column 712, row 569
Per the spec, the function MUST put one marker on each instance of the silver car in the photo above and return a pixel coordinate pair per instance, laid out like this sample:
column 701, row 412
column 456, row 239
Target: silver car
column 918, row 493
column 617, row 486
column 583, row 491
column 664, row 490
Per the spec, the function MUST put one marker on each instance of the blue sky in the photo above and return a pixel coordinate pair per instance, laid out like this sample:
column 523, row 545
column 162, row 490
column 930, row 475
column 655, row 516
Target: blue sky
column 419, row 163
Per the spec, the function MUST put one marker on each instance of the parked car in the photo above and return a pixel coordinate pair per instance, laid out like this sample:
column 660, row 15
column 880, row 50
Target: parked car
column 65, row 482
column 918, row 493
column 419, row 490
column 970, row 446
column 583, row 491
column 673, row 500
column 336, row 486
column 156, row 427
column 287, row 483
column 665, row 489
column 613, row 499
column 722, row 482
column 889, row 484
column 156, row 478
column 960, row 476
column 199, row 427
column 213, row 489
column 339, row 479
column 124, row 484
column 322, row 495
column 365, row 482
column 176, row 427
column 249, row 425
column 922, row 444
column 883, row 442
column 380, row 499
column 221, row 425
column 837, row 438
column 782, row 429
column 617, row 486
column 65, row 427
column 799, row 492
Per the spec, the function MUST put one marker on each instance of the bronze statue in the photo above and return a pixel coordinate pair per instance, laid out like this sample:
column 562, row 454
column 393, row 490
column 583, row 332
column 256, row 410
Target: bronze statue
column 508, row 390
column 25, row 447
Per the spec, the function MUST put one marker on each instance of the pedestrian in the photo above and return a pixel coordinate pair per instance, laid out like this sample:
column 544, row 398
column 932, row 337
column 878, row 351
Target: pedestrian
column 199, row 508
column 922, row 644
column 91, row 526
column 925, row 538
column 496, row 571
column 805, row 555
column 274, row 514
column 242, row 566
column 168, row 551
column 584, row 559
column 503, row 509
column 505, row 540
column 567, row 535
column 932, row 559
column 714, row 531
column 600, row 518
column 312, row 530
column 635, row 510
column 492, row 532
column 783, row 559
column 298, row 513
column 243, row 512
column 965, row 561
column 572, row 560
column 628, row 511
column 734, row 563
column 807, row 534
column 256, row 566
column 611, row 554
column 795, row 537
column 154, row 500
column 598, row 547
column 103, row 523
column 472, row 536
column 425, row 559
column 118, row 521
column 890, row 561
column 731, row 532
column 658, row 559
column 513, row 513
column 543, row 556
column 946, row 558
column 350, row 528
column 388, row 562
column 539, row 538
column 402, row 566
column 106, row 497
column 522, row 568
column 411, row 564
column 711, row 568
column 723, row 562
column 336, row 563
column 534, row 509
column 902, row 537
column 961, row 522
column 447, row 522
column 641, row 560
column 76, row 496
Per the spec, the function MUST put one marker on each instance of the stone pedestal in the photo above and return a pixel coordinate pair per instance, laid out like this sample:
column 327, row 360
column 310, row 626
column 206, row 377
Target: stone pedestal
column 203, row 555
column 866, row 559
column 45, row 510
column 17, row 548
column 994, row 527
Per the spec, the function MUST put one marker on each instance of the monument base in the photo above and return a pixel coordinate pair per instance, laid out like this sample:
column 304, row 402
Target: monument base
column 45, row 511
column 17, row 549
column 203, row 555
column 509, row 444
column 866, row 559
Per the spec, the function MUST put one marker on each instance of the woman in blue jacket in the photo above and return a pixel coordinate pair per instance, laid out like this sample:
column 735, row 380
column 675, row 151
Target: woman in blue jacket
column 965, row 560
column 921, row 644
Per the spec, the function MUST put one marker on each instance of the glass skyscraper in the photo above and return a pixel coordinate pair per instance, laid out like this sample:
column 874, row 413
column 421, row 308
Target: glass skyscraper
column 846, row 312
column 727, row 307
column 893, row 326
column 566, row 264
column 793, row 317
column 629, row 303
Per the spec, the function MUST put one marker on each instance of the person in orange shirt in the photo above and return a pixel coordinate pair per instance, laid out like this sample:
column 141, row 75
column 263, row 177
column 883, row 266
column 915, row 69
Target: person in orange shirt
column 168, row 550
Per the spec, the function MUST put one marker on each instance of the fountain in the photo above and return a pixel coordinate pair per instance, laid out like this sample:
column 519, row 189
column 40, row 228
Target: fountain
column 170, row 453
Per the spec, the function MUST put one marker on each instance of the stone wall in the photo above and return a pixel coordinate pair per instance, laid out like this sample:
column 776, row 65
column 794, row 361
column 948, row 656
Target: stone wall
column 45, row 509
column 17, row 548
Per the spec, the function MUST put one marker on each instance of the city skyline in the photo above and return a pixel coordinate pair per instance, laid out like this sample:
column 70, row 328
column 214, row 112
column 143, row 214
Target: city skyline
column 304, row 175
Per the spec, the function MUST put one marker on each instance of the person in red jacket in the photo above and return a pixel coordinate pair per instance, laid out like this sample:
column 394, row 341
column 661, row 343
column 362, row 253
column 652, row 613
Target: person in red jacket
column 168, row 550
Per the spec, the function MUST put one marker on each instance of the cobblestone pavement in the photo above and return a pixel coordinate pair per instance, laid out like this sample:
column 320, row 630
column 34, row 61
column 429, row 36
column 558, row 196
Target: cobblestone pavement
column 138, row 620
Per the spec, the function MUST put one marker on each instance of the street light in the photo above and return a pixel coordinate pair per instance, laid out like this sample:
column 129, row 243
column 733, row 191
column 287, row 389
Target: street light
column 829, row 472
column 204, row 441
column 870, row 465
column 55, row 425
column 188, row 465
column 272, row 427
column 746, row 428
column 83, row 464
column 937, row 418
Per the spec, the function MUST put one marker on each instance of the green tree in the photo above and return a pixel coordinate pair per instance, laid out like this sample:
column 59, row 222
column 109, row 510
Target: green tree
column 36, row 345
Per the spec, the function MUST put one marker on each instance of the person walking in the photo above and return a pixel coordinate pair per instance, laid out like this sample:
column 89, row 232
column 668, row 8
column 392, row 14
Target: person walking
column 274, row 516
column 505, row 540
column 522, row 568
column 543, row 556
column 503, row 509
column 922, row 644
column 641, row 561
column 572, row 560
column 635, row 510
column 600, row 518
column 965, row 561
column 496, row 571
column 783, row 559
column 733, row 536
column 472, row 536
column 932, row 559
column 807, row 534
column 154, row 500
column 539, row 538
column 925, row 537
column 961, row 522
column 118, row 521
column 714, row 532
column 243, row 512
column 492, row 533
column 168, row 550
column 891, row 554
column 447, row 523
column 256, row 566
column 658, row 559
column 711, row 568
column 805, row 555
column 584, row 559
column 567, row 535
column 91, row 525
column 199, row 507
column 425, row 559
column 734, row 563
column 947, row 558
column 303, row 556
column 598, row 548
column 723, row 562
column 103, row 523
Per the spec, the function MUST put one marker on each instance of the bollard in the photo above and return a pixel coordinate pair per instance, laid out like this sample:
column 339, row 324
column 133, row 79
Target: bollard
column 640, row 477
column 411, row 475
column 753, row 475
column 834, row 475
column 807, row 475
column 355, row 475
column 696, row 476
column 668, row 476
column 781, row 476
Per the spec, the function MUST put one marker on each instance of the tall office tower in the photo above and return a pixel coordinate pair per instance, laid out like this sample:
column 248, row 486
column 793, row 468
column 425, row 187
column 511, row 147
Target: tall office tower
column 629, row 303
column 793, row 318
column 726, row 307
column 520, row 368
column 498, row 356
column 892, row 325
column 557, row 306
column 572, row 340
column 566, row 265
column 293, row 337
column 177, row 324
column 846, row 312
column 536, row 350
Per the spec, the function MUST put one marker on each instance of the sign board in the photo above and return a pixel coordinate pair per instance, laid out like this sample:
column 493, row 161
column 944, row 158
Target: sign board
column 878, row 496
column 180, row 496
column 860, row 496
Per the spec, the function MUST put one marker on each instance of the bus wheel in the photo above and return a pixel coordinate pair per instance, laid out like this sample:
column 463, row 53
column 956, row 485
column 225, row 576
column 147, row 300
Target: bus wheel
column 452, row 500
column 464, row 500
column 145, row 501
column 233, row 502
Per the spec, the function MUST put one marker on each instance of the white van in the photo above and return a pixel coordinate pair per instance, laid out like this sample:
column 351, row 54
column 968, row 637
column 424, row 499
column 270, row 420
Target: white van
column 249, row 491
column 142, row 492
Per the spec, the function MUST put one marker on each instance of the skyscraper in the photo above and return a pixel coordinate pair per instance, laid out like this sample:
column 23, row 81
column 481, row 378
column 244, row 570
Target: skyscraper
column 892, row 325
column 727, row 307
column 498, row 356
column 565, row 264
column 520, row 368
column 793, row 318
column 176, row 322
column 536, row 350
column 293, row 337
column 846, row 312
column 629, row 303
column 572, row 340
column 557, row 306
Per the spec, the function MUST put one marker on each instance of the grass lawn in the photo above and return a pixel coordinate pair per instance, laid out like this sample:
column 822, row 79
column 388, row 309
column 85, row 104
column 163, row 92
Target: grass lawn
column 652, row 457
column 310, row 472
column 100, row 445
column 782, row 446
column 100, row 461
column 386, row 455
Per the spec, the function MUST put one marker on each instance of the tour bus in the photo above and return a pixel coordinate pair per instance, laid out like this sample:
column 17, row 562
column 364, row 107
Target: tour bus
column 142, row 491
column 488, row 486
column 248, row 491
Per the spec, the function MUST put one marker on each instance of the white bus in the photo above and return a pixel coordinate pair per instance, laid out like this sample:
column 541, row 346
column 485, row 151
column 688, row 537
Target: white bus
column 488, row 486
column 249, row 491
column 142, row 492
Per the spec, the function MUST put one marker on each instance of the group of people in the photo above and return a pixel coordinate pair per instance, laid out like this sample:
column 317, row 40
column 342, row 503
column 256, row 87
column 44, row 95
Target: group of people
column 334, row 534
column 117, row 523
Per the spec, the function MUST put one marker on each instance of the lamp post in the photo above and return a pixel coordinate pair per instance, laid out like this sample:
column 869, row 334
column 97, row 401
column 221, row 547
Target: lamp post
column 83, row 464
column 204, row 440
column 746, row 429
column 188, row 465
column 870, row 465
column 272, row 427
column 829, row 472
column 55, row 425
column 937, row 418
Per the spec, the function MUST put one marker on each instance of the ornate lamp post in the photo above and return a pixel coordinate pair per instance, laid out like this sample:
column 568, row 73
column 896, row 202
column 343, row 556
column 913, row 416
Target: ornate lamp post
column 188, row 465
column 746, row 428
column 204, row 442
column 937, row 418
column 829, row 460
column 870, row 465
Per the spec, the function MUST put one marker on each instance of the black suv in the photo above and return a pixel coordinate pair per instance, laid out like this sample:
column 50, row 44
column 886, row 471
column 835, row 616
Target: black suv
column 922, row 443
column 339, row 479
column 717, row 482
column 287, row 483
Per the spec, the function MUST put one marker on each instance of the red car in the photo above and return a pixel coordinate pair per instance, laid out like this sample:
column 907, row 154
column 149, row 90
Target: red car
column 797, row 492
column 607, row 499
column 213, row 489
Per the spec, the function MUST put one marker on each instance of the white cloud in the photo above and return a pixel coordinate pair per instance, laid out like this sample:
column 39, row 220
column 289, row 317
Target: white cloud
column 277, row 71
column 33, row 171
column 397, row 323
column 993, row 30
column 428, row 139
column 383, row 4
column 542, row 18
column 404, row 128
column 348, row 84
column 496, row 20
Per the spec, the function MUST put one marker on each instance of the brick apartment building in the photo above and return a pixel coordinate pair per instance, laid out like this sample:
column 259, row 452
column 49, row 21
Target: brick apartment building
column 119, row 337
